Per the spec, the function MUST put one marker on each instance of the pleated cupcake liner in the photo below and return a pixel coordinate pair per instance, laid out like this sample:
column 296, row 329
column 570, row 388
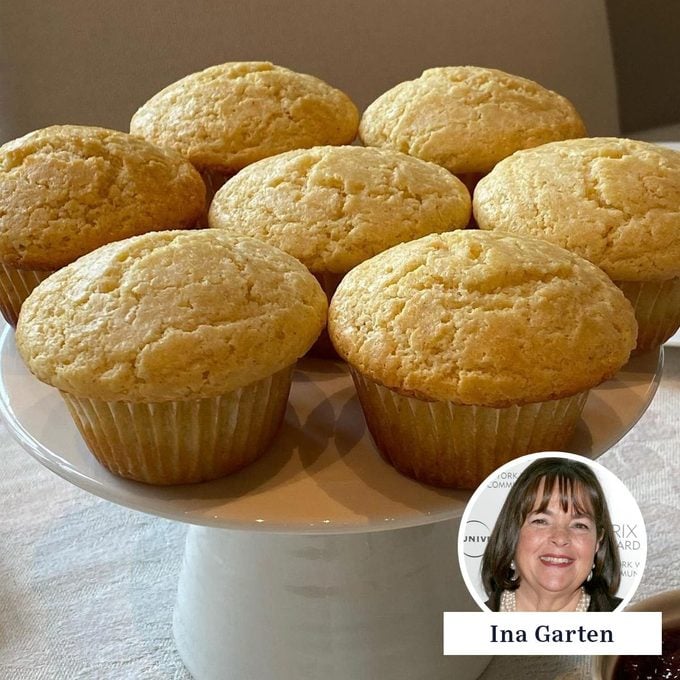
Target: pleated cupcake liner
column 181, row 442
column 458, row 446
column 15, row 286
column 657, row 310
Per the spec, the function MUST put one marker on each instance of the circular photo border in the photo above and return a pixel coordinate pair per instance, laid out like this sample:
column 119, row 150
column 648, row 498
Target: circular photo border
column 482, row 510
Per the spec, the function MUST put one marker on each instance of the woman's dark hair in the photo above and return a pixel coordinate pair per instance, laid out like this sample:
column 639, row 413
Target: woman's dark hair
column 578, row 488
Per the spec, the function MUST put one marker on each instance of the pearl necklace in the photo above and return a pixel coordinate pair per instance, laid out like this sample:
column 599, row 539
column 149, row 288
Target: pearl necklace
column 509, row 601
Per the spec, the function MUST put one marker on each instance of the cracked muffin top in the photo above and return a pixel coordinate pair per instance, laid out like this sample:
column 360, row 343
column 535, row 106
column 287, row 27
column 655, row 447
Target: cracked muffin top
column 482, row 318
column 614, row 201
column 332, row 207
column 233, row 114
column 170, row 315
column 66, row 190
column 468, row 118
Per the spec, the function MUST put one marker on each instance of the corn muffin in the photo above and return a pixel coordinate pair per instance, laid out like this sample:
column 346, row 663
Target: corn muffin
column 470, row 348
column 615, row 202
column 467, row 118
column 333, row 207
column 174, row 350
column 230, row 115
column 66, row 190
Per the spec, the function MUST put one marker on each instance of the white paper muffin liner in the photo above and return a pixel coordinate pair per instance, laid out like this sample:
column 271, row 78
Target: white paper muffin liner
column 458, row 446
column 15, row 286
column 657, row 310
column 180, row 442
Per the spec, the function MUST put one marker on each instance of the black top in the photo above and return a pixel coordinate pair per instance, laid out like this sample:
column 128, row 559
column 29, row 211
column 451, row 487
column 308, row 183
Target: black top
column 599, row 602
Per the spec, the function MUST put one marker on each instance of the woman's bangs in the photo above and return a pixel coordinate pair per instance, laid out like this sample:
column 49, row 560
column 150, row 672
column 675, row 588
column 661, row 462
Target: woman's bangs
column 570, row 494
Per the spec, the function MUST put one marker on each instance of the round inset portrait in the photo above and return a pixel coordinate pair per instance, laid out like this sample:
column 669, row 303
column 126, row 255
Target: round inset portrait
column 550, row 532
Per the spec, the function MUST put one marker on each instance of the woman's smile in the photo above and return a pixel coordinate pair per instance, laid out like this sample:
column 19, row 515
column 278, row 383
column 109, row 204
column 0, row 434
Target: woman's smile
column 556, row 560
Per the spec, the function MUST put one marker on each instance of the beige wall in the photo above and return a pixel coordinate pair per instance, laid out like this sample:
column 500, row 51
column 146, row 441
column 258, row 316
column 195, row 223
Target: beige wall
column 91, row 62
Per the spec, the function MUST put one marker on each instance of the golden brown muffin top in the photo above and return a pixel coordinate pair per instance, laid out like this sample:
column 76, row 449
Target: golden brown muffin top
column 233, row 114
column 335, row 206
column 615, row 202
column 482, row 318
column 170, row 315
column 468, row 118
column 66, row 190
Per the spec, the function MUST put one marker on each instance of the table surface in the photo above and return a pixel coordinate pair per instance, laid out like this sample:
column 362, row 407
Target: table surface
column 88, row 587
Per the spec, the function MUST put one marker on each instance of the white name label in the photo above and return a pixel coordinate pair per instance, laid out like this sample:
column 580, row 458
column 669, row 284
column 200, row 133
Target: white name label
column 560, row 633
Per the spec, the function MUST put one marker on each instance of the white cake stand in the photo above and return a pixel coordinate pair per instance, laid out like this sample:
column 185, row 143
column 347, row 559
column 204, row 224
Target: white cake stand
column 319, row 560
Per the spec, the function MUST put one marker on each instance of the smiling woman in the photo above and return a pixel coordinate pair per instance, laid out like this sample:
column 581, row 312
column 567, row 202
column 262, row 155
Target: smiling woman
column 553, row 547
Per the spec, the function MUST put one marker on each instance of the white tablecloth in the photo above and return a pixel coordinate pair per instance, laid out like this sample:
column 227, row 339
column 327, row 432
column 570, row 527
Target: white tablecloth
column 87, row 587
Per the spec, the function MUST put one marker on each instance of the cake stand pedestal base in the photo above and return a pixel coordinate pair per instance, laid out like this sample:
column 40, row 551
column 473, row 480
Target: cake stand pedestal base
column 355, row 606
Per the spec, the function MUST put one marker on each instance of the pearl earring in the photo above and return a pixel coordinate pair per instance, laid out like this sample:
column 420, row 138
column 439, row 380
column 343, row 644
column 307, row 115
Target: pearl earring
column 513, row 567
column 590, row 575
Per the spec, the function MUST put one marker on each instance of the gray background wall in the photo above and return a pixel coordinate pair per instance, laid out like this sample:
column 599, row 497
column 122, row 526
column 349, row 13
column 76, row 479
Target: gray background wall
column 645, row 38
column 92, row 62
column 82, row 61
